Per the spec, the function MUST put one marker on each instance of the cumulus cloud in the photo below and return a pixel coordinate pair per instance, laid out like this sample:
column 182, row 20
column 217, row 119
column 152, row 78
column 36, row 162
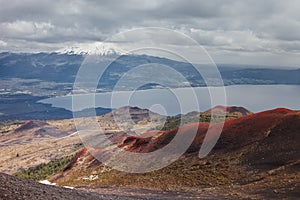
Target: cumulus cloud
column 242, row 28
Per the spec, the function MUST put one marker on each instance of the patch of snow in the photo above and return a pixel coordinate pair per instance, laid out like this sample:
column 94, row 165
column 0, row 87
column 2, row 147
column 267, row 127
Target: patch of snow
column 46, row 182
column 69, row 187
column 98, row 48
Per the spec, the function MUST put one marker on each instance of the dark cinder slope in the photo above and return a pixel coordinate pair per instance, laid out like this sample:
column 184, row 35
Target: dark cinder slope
column 15, row 188
column 12, row 188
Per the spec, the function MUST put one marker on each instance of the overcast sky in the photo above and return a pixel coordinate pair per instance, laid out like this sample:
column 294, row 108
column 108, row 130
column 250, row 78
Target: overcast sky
column 261, row 32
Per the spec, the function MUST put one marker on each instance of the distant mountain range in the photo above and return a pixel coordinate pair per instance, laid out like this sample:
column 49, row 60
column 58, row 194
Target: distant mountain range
column 57, row 72
column 98, row 48
column 26, row 78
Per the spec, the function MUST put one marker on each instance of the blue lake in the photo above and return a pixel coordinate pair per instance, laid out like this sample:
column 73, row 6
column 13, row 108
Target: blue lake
column 183, row 100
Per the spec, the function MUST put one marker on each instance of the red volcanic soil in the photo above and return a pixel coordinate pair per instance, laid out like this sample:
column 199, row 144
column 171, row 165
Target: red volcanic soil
column 135, row 144
column 81, row 153
column 236, row 133
column 166, row 137
column 266, row 138
column 280, row 146
column 86, row 155
column 249, row 129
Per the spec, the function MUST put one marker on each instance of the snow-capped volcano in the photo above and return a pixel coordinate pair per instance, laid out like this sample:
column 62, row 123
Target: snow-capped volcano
column 98, row 48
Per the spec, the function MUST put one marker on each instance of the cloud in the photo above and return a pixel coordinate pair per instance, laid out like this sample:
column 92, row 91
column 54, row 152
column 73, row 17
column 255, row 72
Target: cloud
column 231, row 26
column 3, row 44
